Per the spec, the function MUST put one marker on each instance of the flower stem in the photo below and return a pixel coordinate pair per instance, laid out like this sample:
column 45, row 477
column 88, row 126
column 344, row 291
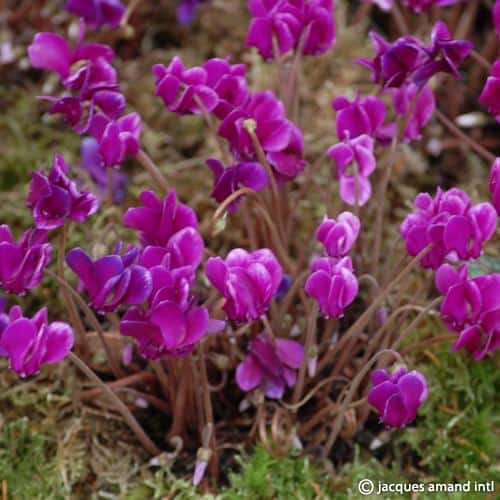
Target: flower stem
column 152, row 170
column 149, row 446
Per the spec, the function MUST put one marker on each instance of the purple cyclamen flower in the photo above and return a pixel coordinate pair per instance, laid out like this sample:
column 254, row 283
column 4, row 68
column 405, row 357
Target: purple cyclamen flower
column 22, row 263
column 54, row 198
column 332, row 284
column 52, row 52
column 29, row 343
column 219, row 85
column 307, row 24
column 186, row 11
column 271, row 365
column 338, row 236
column 362, row 115
column 117, row 139
column 280, row 139
column 98, row 13
column 496, row 17
column 424, row 108
column 446, row 55
column 248, row 282
column 397, row 397
column 91, row 162
column 229, row 179
column 355, row 187
column 471, row 307
column 495, row 184
column 157, row 220
column 449, row 222
column 490, row 96
column 111, row 280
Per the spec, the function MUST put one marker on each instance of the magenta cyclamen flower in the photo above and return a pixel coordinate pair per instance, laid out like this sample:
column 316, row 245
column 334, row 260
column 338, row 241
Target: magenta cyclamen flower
column 363, row 115
column 308, row 24
column 157, row 220
column 248, row 282
column 271, row 365
column 111, row 280
column 338, row 236
column 471, row 307
column 495, row 184
column 332, row 284
column 449, row 222
column 55, row 198
column 397, row 397
column 355, row 187
column 280, row 139
column 218, row 85
column 490, row 96
column 98, row 13
column 227, row 180
column 22, row 264
column 29, row 343
column 424, row 108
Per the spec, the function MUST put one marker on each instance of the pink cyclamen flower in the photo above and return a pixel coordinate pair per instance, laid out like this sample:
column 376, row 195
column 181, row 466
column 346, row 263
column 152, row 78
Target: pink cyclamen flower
column 362, row 115
column 471, row 307
column 111, row 280
column 495, row 184
column 355, row 187
column 217, row 84
column 338, row 236
column 307, row 24
column 449, row 222
column 280, row 139
column 424, row 108
column 228, row 180
column 117, row 138
column 332, row 284
column 490, row 96
column 55, row 199
column 248, row 282
column 29, row 343
column 22, row 263
column 157, row 220
column 397, row 397
column 98, row 13
column 271, row 365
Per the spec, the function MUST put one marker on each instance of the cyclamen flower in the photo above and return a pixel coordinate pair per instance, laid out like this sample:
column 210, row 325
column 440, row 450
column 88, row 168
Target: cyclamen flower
column 280, row 139
column 248, row 282
column 398, row 397
column 22, row 264
column 55, row 198
column 355, row 188
column 271, row 365
column 29, row 343
column 338, row 236
column 364, row 115
column 111, row 280
column 98, row 13
column 227, row 180
column 471, row 307
column 490, row 96
column 117, row 139
column 186, row 10
column 495, row 184
column 424, row 108
column 157, row 220
column 292, row 23
column 219, row 86
column 332, row 284
column 91, row 162
column 451, row 224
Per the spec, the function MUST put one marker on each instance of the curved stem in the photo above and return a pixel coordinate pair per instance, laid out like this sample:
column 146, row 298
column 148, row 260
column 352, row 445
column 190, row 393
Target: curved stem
column 348, row 398
column 150, row 167
column 149, row 446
